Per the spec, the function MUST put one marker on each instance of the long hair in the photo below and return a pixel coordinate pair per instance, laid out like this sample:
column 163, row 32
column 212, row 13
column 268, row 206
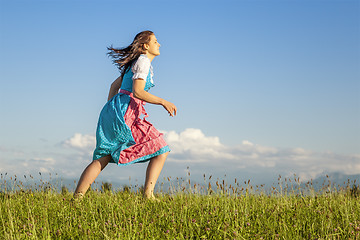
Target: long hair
column 124, row 57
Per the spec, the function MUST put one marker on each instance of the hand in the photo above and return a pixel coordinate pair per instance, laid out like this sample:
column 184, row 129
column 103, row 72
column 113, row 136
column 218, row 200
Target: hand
column 170, row 107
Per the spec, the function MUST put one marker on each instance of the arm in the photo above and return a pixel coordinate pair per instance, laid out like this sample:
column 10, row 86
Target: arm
column 114, row 88
column 140, row 93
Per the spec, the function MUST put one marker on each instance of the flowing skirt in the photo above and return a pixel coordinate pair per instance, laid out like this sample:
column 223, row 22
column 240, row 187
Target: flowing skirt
column 123, row 134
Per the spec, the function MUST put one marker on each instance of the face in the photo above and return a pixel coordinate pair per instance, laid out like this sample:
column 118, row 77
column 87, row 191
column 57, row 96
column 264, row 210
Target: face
column 152, row 48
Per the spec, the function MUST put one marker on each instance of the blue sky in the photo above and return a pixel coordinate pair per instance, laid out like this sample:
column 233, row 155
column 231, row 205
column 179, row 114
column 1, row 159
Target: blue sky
column 262, row 87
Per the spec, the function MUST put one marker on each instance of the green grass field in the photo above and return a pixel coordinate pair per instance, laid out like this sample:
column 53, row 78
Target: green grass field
column 193, row 212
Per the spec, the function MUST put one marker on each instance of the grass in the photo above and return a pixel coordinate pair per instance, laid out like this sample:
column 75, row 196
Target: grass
column 191, row 212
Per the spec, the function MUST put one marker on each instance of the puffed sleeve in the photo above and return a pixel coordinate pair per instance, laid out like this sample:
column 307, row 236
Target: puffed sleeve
column 141, row 68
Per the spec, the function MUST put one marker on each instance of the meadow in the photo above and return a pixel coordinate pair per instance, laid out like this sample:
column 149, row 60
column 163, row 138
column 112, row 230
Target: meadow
column 186, row 210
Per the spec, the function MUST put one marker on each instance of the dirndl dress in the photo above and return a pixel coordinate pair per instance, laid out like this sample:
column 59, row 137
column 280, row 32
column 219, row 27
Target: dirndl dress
column 122, row 130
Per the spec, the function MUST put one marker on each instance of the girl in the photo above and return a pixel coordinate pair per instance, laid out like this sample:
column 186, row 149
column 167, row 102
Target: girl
column 122, row 137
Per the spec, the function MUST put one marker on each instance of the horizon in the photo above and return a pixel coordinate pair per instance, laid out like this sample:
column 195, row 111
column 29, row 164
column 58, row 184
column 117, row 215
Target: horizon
column 335, row 181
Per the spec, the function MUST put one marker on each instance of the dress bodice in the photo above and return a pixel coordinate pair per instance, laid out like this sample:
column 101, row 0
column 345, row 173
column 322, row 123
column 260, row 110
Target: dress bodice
column 127, row 82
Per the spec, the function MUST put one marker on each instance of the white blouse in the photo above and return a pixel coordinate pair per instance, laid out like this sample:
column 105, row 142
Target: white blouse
column 141, row 68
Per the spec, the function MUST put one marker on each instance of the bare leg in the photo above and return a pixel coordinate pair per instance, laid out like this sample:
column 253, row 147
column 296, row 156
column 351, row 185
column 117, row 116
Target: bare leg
column 152, row 173
column 90, row 173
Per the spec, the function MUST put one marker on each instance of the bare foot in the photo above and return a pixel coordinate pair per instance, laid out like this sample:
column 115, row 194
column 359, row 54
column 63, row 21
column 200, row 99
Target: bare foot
column 151, row 197
column 78, row 196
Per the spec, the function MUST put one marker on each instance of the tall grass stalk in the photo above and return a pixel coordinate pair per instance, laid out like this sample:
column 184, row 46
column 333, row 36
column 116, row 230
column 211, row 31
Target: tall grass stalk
column 188, row 211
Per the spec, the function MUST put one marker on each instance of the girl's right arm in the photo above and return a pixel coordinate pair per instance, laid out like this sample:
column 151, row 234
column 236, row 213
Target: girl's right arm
column 114, row 88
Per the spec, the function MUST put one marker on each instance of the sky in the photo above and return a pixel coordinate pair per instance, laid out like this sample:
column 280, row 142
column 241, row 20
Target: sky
column 262, row 87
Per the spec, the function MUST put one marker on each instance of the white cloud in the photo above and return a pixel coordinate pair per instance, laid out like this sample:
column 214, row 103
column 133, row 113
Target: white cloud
column 187, row 139
column 191, row 147
column 82, row 143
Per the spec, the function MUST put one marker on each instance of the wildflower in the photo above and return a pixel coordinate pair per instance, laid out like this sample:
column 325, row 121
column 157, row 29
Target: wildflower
column 167, row 231
column 193, row 220
column 248, row 224
column 335, row 229
column 207, row 229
